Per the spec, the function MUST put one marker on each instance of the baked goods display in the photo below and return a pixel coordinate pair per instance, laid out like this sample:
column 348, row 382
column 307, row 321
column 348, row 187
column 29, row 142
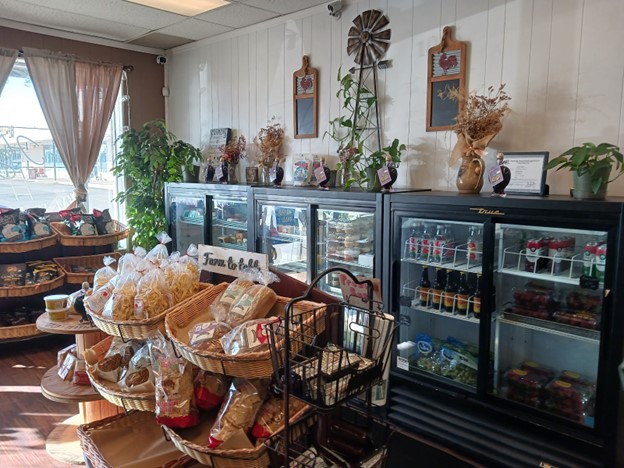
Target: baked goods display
column 20, row 226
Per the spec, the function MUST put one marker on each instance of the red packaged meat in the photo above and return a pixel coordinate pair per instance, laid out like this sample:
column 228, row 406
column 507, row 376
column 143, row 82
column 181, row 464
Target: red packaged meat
column 578, row 319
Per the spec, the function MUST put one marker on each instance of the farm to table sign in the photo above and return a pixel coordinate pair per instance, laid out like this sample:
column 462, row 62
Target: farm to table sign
column 229, row 262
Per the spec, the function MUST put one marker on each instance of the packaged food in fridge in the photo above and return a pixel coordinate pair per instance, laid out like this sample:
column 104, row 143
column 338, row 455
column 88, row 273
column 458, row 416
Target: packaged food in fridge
column 578, row 319
column 537, row 368
column 568, row 395
column 524, row 386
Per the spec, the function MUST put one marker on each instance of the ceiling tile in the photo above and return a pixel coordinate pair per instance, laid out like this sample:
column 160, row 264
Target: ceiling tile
column 236, row 15
column 194, row 29
column 160, row 41
column 283, row 6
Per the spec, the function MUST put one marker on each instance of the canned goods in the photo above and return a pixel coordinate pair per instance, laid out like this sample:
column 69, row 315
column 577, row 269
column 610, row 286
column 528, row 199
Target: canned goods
column 601, row 260
column 535, row 249
column 589, row 257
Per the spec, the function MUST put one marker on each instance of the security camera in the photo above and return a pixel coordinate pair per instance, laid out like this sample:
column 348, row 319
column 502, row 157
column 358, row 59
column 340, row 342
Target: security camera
column 335, row 9
column 161, row 59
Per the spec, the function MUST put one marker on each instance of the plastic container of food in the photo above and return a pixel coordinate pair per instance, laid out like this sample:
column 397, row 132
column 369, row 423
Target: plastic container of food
column 58, row 315
column 56, row 302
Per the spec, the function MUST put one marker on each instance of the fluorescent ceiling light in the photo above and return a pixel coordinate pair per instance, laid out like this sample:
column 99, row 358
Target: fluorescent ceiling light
column 183, row 7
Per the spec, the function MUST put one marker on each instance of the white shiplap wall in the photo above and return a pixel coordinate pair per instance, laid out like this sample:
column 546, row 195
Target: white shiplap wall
column 558, row 58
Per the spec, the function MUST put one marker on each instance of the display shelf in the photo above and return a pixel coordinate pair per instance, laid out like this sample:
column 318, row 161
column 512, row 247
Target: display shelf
column 553, row 328
column 192, row 221
column 540, row 276
column 70, row 326
column 28, row 246
column 31, row 290
column 438, row 313
column 285, row 237
column 237, row 225
column 296, row 266
column 451, row 265
column 230, row 245
column 351, row 264
column 56, row 389
column 62, row 443
column 19, row 332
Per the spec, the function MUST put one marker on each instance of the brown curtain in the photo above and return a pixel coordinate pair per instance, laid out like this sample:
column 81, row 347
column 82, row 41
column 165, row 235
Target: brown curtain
column 7, row 60
column 77, row 99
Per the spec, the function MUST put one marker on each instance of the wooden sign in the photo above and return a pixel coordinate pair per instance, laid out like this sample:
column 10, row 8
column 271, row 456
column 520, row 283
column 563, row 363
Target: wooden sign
column 229, row 262
column 446, row 69
column 305, row 101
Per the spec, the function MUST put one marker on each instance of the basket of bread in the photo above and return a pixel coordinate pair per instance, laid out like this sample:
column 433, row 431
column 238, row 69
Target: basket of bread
column 223, row 330
column 132, row 302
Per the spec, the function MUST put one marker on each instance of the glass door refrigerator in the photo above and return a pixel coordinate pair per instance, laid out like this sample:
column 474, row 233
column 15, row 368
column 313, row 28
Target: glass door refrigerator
column 209, row 214
column 306, row 231
column 510, row 326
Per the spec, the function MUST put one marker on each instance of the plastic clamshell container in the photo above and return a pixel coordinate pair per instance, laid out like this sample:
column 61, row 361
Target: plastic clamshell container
column 56, row 302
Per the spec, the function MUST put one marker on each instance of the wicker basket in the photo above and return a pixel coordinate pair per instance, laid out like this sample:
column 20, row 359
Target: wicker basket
column 91, row 261
column 249, row 365
column 27, row 246
column 145, row 401
column 66, row 238
column 257, row 457
column 125, row 423
column 140, row 329
column 21, row 291
column 19, row 331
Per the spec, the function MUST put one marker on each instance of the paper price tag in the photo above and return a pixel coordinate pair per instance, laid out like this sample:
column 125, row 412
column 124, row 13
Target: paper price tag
column 384, row 176
column 273, row 172
column 319, row 173
column 402, row 363
column 495, row 175
column 219, row 172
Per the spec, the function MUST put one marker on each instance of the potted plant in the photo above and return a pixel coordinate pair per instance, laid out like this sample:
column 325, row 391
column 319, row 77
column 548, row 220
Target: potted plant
column 148, row 158
column 591, row 167
column 186, row 155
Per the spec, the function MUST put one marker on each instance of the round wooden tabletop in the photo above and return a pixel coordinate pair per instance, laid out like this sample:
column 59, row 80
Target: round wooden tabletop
column 63, row 444
column 56, row 389
column 69, row 326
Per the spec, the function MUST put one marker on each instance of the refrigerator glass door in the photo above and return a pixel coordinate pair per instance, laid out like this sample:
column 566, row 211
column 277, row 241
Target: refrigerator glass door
column 188, row 214
column 549, row 291
column 345, row 239
column 283, row 236
column 229, row 222
column 439, row 281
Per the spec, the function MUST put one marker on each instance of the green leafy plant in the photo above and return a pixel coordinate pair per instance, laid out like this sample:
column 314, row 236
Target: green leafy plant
column 349, row 130
column 595, row 160
column 149, row 158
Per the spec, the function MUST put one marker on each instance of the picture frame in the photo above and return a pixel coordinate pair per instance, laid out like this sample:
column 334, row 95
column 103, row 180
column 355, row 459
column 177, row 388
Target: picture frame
column 528, row 172
column 305, row 101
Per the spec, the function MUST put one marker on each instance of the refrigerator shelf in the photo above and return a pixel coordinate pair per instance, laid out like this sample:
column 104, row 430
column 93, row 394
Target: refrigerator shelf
column 238, row 225
column 193, row 220
column 230, row 245
column 351, row 264
column 291, row 266
column 430, row 310
column 459, row 265
column 554, row 328
column 540, row 276
column 284, row 237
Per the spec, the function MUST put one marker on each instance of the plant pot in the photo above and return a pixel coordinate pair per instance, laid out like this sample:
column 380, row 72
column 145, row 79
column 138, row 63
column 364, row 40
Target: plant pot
column 470, row 174
column 190, row 175
column 232, row 173
column 583, row 185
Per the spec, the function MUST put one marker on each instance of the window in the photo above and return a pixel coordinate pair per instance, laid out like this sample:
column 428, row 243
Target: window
column 32, row 173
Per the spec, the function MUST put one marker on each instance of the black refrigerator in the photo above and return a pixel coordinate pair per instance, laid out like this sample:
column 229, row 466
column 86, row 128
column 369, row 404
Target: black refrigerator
column 211, row 214
column 511, row 324
column 305, row 230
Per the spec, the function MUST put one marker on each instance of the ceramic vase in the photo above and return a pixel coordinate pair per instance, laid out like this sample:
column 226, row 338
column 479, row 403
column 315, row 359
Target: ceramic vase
column 470, row 174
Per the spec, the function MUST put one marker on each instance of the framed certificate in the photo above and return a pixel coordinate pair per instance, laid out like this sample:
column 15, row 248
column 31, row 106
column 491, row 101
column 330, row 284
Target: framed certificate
column 528, row 173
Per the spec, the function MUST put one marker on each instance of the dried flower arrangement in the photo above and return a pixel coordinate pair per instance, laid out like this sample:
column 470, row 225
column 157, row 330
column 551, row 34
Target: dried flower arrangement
column 268, row 142
column 479, row 121
column 234, row 150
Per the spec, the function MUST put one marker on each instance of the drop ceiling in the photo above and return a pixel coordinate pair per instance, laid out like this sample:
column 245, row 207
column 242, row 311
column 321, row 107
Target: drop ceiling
column 130, row 24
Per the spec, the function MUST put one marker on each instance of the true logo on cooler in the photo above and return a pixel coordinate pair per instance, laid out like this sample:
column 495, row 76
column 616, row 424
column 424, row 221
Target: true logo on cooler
column 488, row 212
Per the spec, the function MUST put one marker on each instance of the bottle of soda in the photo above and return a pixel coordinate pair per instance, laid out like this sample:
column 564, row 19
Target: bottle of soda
column 601, row 260
column 474, row 245
column 425, row 286
column 476, row 298
column 425, row 244
column 437, row 289
column 462, row 295
column 448, row 252
column 439, row 242
column 589, row 257
column 412, row 242
column 449, row 292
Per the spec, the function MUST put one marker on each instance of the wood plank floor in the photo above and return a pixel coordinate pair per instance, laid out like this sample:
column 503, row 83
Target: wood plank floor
column 26, row 416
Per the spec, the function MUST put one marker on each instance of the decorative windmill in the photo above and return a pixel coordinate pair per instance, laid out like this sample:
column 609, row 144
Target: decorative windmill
column 368, row 41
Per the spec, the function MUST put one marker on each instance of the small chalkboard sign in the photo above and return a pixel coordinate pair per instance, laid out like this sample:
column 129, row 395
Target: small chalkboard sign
column 446, row 70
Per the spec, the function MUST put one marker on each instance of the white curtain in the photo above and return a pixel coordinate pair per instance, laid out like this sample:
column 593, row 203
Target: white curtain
column 7, row 60
column 77, row 99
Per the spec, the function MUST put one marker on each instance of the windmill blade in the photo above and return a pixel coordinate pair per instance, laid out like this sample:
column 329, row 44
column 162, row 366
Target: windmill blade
column 354, row 32
column 366, row 16
column 374, row 17
column 358, row 22
column 382, row 23
column 353, row 44
column 382, row 35
column 357, row 53
column 379, row 49
column 368, row 57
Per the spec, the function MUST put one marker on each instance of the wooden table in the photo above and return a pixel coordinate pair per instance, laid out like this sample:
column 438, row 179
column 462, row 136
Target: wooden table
column 62, row 443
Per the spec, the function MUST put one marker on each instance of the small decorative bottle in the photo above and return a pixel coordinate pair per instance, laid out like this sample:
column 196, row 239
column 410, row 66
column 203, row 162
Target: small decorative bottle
column 500, row 180
column 222, row 172
column 323, row 175
column 388, row 174
column 276, row 173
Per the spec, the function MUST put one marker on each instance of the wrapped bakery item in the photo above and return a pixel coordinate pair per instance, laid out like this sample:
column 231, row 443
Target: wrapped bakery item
column 153, row 295
column 160, row 252
column 220, row 309
column 139, row 376
column 127, row 263
column 190, row 260
column 247, row 337
column 270, row 417
column 255, row 303
column 66, row 370
column 120, row 306
column 175, row 399
column 62, row 354
column 182, row 281
column 206, row 335
column 104, row 274
column 238, row 410
column 116, row 359
column 80, row 376
column 210, row 389
column 96, row 302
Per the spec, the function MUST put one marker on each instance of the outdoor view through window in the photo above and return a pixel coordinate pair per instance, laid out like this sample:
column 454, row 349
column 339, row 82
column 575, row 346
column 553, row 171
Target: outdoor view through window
column 32, row 174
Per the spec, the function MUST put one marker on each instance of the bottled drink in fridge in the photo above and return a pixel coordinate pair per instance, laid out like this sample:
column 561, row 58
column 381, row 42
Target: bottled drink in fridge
column 601, row 259
column 425, row 286
column 448, row 252
column 461, row 307
column 437, row 289
column 474, row 245
column 424, row 253
column 439, row 243
column 589, row 257
column 476, row 299
column 449, row 292
column 413, row 241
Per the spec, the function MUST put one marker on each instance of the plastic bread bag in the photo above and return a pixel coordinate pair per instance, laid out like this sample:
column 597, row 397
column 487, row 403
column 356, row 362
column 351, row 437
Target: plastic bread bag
column 120, row 306
column 238, row 410
column 206, row 336
column 62, row 354
column 210, row 389
column 182, row 282
column 153, row 296
column 247, row 337
column 160, row 252
column 80, row 376
column 190, row 260
column 127, row 263
column 139, row 377
column 220, row 309
column 98, row 299
column 270, row 417
column 175, row 399
column 256, row 302
column 104, row 274
column 117, row 358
